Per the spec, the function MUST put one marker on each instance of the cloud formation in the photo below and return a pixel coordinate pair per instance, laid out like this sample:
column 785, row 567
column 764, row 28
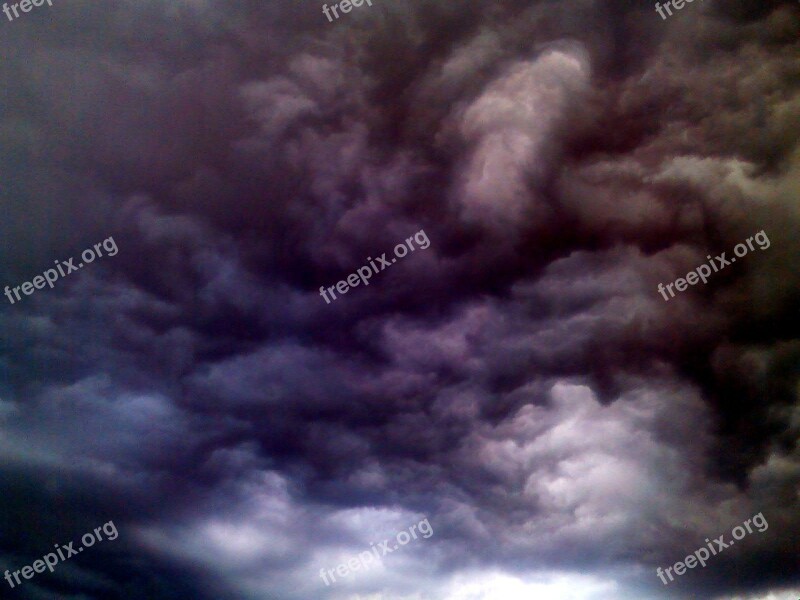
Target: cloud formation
column 520, row 383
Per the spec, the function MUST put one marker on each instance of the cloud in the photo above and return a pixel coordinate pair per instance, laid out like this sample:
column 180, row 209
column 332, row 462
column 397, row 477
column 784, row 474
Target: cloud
column 521, row 383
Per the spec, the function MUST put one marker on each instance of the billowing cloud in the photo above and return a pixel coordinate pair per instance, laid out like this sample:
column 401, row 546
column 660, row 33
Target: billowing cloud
column 521, row 383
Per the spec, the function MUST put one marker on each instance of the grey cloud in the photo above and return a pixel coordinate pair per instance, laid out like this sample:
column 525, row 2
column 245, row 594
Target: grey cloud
column 521, row 383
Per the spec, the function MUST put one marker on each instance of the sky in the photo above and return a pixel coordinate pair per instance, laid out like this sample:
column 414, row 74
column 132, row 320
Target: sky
column 531, row 391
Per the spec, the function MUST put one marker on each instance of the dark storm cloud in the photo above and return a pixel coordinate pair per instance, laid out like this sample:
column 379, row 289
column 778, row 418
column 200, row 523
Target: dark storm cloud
column 521, row 382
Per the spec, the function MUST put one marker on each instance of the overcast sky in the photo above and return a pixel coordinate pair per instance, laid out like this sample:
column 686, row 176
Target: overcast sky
column 521, row 383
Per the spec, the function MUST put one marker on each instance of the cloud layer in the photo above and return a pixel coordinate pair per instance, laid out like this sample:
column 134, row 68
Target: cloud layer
column 521, row 383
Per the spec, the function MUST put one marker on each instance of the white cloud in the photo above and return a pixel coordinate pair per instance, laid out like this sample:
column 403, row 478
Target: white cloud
column 497, row 585
column 791, row 594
